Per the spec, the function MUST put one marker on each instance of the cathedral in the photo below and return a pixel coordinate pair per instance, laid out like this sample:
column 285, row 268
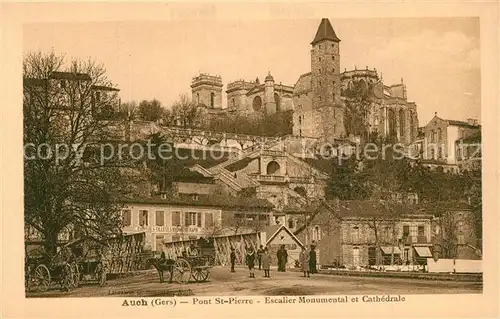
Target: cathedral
column 320, row 98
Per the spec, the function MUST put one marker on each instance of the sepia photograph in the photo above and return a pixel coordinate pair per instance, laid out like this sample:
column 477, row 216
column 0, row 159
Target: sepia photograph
column 316, row 160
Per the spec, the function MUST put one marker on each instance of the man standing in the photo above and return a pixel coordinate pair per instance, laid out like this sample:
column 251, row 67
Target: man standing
column 232, row 256
column 266, row 263
column 282, row 256
column 250, row 261
column 260, row 252
column 304, row 261
column 312, row 260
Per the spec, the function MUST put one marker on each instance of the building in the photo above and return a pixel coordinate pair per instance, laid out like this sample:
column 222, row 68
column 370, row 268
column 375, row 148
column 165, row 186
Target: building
column 440, row 141
column 175, row 218
column 468, row 152
column 275, row 236
column 362, row 233
column 455, row 231
column 252, row 98
column 321, row 96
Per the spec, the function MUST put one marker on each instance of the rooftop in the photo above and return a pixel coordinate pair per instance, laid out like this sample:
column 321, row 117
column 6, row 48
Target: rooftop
column 325, row 32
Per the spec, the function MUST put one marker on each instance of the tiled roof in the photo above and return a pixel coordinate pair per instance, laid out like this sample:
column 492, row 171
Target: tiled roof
column 70, row 76
column 325, row 32
column 461, row 123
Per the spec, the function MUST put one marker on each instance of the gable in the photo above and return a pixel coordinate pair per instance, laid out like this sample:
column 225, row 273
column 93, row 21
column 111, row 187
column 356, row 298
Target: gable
column 283, row 236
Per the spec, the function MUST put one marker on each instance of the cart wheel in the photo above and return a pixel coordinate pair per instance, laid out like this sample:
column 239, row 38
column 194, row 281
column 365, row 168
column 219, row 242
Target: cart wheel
column 182, row 271
column 66, row 277
column 200, row 274
column 42, row 278
column 75, row 275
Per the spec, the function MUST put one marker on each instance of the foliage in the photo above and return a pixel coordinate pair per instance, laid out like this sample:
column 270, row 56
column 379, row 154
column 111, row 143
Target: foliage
column 64, row 193
column 151, row 110
column 184, row 113
column 358, row 102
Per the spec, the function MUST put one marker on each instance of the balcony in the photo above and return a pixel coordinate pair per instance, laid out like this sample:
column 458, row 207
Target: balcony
column 408, row 240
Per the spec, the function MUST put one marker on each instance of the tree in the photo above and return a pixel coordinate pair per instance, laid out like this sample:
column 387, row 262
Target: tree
column 151, row 110
column 184, row 113
column 359, row 100
column 64, row 189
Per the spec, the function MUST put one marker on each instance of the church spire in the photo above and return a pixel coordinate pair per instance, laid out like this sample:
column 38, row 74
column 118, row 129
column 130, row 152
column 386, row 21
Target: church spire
column 325, row 32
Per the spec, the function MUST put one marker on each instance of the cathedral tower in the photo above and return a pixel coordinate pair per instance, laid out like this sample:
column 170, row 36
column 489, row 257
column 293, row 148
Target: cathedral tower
column 269, row 102
column 327, row 105
column 207, row 90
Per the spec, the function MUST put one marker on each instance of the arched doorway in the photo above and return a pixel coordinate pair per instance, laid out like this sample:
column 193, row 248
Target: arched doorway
column 257, row 103
column 273, row 168
column 277, row 101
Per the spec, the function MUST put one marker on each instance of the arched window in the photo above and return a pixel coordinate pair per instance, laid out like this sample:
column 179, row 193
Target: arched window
column 273, row 168
column 257, row 103
column 212, row 99
column 433, row 153
column 277, row 101
column 392, row 123
column 402, row 124
column 412, row 129
column 198, row 98
column 232, row 102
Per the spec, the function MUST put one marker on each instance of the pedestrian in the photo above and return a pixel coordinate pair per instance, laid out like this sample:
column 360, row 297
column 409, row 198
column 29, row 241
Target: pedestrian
column 304, row 261
column 266, row 263
column 260, row 252
column 250, row 261
column 312, row 260
column 282, row 256
column 233, row 259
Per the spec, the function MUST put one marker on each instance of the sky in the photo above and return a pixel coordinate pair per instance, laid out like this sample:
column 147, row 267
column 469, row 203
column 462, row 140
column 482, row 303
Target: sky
column 437, row 58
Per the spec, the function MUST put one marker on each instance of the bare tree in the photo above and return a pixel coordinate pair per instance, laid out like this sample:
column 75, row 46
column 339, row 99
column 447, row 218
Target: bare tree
column 63, row 187
column 184, row 113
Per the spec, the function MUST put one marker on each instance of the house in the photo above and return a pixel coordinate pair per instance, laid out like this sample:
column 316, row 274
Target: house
column 182, row 217
column 365, row 232
column 440, row 137
column 273, row 237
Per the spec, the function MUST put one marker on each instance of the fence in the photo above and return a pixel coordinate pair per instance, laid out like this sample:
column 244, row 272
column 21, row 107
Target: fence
column 454, row 266
column 126, row 254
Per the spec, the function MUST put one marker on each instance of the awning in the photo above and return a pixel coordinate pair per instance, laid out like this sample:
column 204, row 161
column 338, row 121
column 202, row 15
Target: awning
column 389, row 250
column 423, row 251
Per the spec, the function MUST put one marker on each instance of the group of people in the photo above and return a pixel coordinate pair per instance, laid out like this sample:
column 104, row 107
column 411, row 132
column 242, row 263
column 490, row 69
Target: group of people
column 307, row 260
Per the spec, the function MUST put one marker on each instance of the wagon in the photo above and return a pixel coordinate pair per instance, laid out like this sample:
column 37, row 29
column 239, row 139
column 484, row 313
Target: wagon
column 44, row 271
column 91, row 268
column 194, row 264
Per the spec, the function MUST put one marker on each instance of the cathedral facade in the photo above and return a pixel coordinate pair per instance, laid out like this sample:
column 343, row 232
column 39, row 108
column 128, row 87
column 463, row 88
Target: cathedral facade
column 321, row 97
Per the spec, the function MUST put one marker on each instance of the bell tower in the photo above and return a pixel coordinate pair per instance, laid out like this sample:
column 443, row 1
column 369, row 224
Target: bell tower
column 325, row 82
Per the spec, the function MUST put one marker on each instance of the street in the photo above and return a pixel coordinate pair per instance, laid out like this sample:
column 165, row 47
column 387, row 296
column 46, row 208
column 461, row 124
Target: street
column 224, row 283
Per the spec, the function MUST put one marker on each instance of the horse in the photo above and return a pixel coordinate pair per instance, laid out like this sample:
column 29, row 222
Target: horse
column 168, row 265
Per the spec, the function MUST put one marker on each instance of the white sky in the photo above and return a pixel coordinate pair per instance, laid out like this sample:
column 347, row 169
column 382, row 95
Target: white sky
column 438, row 59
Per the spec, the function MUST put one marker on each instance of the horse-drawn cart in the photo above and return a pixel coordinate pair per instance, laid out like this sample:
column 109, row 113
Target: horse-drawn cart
column 89, row 254
column 194, row 264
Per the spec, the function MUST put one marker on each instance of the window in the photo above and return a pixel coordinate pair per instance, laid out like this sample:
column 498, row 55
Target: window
column 406, row 231
column 127, row 217
column 143, row 217
column 333, row 70
column 63, row 84
column 160, row 218
column 176, row 238
column 433, row 154
column 176, row 219
column 98, row 96
column 460, row 226
column 319, row 98
column 421, row 231
column 439, row 135
column 290, row 223
column 193, row 219
column 197, row 98
column 433, row 137
column 319, row 70
column 355, row 234
column 461, row 240
column 212, row 99
column 319, row 59
column 316, row 233
column 320, row 83
column 333, row 57
column 300, row 120
column 320, row 46
column 440, row 152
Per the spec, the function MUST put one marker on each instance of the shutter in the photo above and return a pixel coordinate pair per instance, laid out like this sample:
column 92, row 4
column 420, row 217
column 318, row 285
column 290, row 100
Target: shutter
column 209, row 220
column 160, row 218
column 186, row 219
column 199, row 220
column 127, row 218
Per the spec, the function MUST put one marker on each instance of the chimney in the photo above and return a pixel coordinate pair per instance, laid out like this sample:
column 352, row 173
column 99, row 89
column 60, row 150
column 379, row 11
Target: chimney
column 470, row 121
column 476, row 122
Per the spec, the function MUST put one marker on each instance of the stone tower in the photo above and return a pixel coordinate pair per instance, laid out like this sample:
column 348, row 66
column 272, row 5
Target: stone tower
column 328, row 109
column 269, row 102
column 207, row 90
